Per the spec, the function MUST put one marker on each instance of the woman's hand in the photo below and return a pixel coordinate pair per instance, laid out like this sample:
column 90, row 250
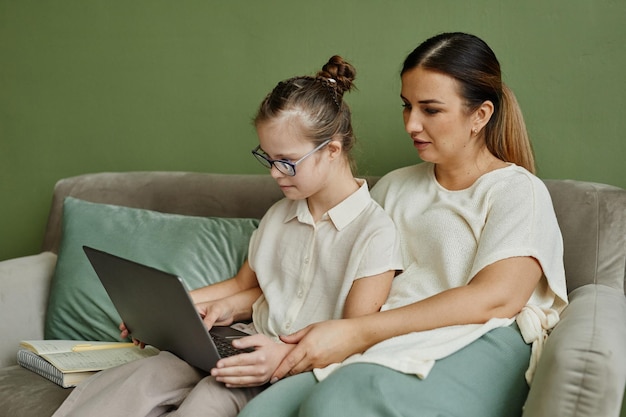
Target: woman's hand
column 254, row 368
column 320, row 345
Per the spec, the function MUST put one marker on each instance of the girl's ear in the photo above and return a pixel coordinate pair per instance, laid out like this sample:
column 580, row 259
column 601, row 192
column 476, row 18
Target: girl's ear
column 335, row 147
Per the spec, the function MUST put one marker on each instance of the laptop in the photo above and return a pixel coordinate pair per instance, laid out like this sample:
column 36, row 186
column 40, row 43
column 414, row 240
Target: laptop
column 157, row 309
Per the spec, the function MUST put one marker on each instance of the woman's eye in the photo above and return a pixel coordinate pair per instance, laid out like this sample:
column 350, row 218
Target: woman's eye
column 406, row 106
column 430, row 110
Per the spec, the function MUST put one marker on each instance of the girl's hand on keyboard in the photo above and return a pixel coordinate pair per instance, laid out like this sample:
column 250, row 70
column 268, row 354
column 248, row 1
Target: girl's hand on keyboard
column 227, row 310
column 254, row 368
column 215, row 313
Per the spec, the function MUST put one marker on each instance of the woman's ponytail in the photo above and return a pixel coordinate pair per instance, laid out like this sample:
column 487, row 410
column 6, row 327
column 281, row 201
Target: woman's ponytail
column 506, row 136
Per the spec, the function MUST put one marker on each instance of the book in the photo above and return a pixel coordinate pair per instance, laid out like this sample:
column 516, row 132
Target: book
column 68, row 362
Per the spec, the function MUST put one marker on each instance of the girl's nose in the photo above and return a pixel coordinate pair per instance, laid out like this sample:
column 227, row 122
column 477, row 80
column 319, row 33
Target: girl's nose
column 275, row 173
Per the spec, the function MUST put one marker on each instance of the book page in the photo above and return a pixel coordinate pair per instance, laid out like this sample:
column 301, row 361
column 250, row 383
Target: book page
column 55, row 346
column 96, row 360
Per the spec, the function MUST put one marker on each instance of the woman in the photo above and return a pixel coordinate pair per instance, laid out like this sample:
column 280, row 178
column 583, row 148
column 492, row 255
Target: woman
column 326, row 251
column 481, row 247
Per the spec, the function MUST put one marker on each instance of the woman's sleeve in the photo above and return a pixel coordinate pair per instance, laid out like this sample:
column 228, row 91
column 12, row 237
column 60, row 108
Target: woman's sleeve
column 521, row 222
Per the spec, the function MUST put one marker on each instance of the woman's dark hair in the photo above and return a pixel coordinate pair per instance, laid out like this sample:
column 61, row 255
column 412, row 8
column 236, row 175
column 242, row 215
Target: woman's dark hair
column 319, row 101
column 470, row 61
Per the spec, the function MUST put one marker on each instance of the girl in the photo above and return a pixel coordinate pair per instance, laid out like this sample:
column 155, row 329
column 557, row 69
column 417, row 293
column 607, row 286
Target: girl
column 326, row 251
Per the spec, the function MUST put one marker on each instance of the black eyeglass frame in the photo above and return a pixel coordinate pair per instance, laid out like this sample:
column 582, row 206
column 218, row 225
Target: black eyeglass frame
column 285, row 167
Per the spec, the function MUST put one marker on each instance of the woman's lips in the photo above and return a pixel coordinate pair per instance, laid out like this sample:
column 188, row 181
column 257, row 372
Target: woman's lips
column 420, row 144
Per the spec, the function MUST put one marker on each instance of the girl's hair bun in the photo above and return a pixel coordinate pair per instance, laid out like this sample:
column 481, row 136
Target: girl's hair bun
column 339, row 73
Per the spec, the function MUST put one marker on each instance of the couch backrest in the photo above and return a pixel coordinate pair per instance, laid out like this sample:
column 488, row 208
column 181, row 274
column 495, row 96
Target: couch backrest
column 592, row 216
column 194, row 194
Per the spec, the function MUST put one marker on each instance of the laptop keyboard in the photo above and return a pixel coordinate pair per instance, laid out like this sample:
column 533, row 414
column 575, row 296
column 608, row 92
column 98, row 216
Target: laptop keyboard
column 225, row 347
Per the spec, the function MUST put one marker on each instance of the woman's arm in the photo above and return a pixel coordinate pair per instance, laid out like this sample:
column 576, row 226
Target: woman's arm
column 245, row 279
column 499, row 290
column 251, row 369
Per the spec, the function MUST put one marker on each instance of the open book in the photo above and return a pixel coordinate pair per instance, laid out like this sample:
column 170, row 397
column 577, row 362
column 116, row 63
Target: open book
column 67, row 362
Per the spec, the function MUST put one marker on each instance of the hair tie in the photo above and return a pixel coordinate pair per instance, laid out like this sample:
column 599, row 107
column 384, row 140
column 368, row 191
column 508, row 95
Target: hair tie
column 332, row 89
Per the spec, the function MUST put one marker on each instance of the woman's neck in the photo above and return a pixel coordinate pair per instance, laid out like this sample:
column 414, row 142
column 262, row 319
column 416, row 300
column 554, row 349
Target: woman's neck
column 460, row 176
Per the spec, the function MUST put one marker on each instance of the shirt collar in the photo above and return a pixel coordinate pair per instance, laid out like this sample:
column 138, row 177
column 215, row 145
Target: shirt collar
column 342, row 214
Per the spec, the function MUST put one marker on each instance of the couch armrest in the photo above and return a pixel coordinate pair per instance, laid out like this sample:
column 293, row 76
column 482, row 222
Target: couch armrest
column 24, row 289
column 582, row 370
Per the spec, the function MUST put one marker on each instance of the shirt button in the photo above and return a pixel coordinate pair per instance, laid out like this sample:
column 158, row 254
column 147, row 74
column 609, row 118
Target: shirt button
column 306, row 260
column 288, row 325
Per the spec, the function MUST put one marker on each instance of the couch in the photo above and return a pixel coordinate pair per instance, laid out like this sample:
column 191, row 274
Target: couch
column 582, row 371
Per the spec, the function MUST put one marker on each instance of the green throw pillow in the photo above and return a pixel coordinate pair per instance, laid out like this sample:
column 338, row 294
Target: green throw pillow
column 201, row 250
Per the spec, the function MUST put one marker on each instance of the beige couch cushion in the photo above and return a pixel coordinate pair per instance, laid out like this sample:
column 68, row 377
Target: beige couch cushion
column 581, row 371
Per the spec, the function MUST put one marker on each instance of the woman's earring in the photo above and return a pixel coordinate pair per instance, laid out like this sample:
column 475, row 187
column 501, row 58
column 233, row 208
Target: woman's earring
column 474, row 130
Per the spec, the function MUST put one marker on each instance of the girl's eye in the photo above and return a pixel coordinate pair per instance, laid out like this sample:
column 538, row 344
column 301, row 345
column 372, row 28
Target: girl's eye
column 430, row 110
column 406, row 106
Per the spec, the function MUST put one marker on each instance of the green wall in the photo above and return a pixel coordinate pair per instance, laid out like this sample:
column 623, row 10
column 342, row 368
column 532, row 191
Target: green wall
column 89, row 86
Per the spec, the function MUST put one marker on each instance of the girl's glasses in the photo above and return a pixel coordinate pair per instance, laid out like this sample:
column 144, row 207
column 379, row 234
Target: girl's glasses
column 285, row 167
